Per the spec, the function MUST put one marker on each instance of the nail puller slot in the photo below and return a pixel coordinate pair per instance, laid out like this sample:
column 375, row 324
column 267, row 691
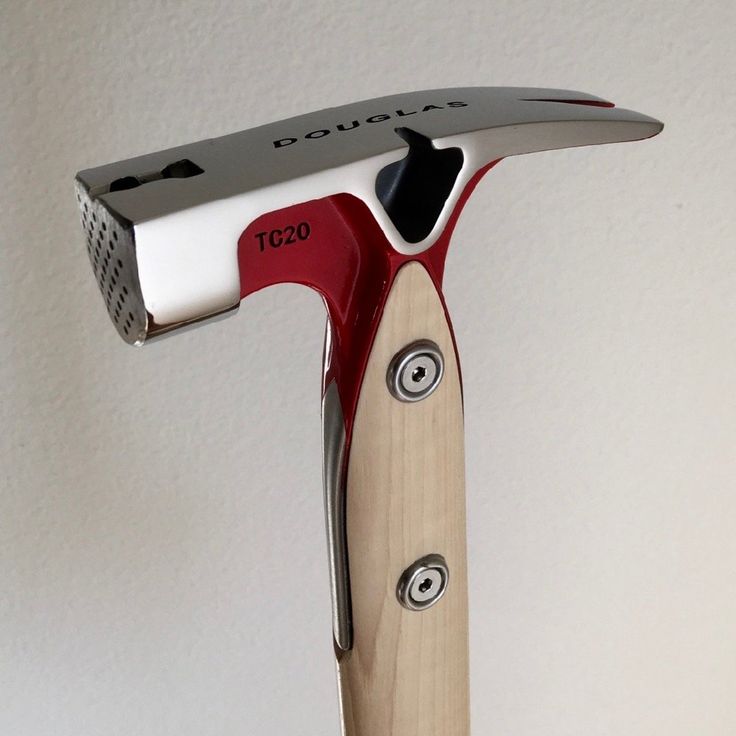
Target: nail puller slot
column 178, row 170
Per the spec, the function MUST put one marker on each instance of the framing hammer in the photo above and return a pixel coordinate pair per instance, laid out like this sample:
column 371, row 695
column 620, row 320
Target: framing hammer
column 358, row 202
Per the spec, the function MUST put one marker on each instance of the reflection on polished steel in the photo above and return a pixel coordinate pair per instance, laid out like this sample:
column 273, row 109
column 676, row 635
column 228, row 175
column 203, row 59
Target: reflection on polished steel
column 333, row 457
column 416, row 371
column 423, row 584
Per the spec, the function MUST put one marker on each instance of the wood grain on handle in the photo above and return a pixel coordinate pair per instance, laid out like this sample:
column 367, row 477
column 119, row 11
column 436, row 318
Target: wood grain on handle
column 407, row 673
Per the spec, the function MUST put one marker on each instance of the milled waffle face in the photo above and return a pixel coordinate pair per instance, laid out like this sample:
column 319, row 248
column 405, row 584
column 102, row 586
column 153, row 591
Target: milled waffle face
column 111, row 250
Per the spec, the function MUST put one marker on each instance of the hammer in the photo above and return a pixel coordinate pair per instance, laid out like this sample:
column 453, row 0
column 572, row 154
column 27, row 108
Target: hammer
column 358, row 202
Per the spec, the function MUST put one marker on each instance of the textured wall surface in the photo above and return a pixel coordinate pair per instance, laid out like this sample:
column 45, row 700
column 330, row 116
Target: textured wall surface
column 162, row 554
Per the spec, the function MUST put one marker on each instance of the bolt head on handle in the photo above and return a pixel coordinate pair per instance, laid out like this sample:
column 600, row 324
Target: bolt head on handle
column 416, row 371
column 164, row 230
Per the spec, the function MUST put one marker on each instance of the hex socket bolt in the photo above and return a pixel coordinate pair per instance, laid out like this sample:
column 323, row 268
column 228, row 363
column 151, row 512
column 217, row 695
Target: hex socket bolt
column 358, row 202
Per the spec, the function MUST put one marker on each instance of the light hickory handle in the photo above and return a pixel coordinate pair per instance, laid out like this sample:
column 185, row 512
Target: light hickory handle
column 406, row 673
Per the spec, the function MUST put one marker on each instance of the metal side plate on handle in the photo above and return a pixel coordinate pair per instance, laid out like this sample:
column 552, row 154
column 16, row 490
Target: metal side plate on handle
column 358, row 202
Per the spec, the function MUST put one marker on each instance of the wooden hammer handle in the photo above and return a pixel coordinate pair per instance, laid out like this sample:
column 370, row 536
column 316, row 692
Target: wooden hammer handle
column 407, row 671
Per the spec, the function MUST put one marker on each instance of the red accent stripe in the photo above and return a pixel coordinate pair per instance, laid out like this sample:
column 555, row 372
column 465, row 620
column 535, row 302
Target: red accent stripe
column 592, row 103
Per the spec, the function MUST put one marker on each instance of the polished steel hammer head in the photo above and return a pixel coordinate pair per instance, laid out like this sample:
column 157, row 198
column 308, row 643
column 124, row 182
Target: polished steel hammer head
column 165, row 230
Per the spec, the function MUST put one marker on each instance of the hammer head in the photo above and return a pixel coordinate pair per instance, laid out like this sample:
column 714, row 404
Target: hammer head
column 163, row 229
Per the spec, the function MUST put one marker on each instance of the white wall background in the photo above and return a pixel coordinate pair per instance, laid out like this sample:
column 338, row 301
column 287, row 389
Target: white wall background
column 162, row 555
